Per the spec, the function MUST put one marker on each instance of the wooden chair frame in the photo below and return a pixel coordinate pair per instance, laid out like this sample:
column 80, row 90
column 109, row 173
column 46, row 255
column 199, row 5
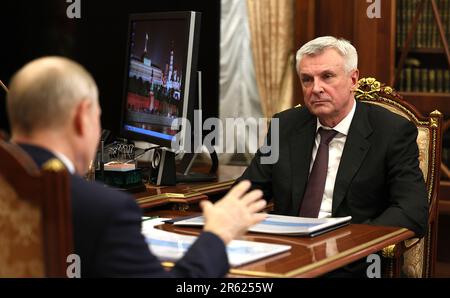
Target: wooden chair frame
column 48, row 190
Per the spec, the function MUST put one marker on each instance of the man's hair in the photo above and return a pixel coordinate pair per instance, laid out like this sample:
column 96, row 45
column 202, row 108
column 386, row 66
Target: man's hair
column 342, row 46
column 44, row 92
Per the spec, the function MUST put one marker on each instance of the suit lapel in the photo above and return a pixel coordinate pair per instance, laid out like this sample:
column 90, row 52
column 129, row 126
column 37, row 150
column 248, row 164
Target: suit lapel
column 301, row 144
column 355, row 150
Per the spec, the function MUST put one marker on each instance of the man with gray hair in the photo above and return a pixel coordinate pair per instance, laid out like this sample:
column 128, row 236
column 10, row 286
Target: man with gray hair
column 339, row 157
column 54, row 113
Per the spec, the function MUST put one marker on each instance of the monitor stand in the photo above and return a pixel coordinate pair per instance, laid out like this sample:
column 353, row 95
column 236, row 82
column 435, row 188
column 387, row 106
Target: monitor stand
column 186, row 175
column 164, row 165
column 164, row 169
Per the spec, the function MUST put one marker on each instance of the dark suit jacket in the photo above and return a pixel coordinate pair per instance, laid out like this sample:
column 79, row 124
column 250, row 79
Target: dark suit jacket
column 378, row 180
column 108, row 239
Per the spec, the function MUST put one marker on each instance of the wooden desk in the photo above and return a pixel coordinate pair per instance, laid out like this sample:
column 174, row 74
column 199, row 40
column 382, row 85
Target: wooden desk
column 309, row 257
column 184, row 196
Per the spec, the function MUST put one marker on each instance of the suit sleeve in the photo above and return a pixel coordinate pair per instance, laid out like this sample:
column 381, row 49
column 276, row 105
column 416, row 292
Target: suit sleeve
column 408, row 205
column 259, row 173
column 124, row 252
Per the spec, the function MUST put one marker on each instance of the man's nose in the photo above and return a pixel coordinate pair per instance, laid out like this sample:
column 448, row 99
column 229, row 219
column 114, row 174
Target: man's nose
column 317, row 86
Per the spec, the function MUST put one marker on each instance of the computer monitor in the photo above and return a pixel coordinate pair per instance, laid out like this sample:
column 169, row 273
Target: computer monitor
column 161, row 83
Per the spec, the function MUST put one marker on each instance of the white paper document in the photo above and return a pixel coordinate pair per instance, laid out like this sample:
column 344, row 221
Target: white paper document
column 168, row 246
column 285, row 225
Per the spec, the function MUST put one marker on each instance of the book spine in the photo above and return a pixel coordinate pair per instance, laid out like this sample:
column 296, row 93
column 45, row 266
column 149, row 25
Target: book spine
column 435, row 32
column 404, row 22
column 447, row 81
column 432, row 80
column 447, row 19
column 424, row 75
column 439, row 80
column 431, row 25
column 401, row 83
column 416, row 80
column 408, row 79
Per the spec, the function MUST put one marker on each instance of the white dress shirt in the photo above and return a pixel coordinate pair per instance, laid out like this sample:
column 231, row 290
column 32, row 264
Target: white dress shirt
column 336, row 147
column 67, row 162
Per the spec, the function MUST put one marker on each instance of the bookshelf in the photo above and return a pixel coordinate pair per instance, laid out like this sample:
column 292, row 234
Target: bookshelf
column 422, row 31
column 422, row 60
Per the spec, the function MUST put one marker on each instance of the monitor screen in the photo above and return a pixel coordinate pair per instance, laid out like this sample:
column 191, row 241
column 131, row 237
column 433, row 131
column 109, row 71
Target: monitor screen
column 160, row 76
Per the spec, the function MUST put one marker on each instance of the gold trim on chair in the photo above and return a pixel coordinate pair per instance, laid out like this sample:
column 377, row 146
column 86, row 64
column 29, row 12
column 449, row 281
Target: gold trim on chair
column 389, row 251
column 373, row 95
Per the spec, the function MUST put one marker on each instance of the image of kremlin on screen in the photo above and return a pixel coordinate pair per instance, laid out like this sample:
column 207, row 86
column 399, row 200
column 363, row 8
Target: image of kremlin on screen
column 157, row 54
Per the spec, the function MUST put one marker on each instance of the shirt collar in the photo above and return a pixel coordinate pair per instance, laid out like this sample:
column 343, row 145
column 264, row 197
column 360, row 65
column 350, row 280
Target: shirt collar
column 343, row 126
column 67, row 162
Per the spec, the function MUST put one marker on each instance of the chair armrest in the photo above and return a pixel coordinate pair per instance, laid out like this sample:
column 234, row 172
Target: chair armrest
column 392, row 258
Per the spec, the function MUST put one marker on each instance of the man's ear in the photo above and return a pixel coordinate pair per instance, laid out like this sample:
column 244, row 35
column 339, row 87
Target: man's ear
column 354, row 77
column 81, row 117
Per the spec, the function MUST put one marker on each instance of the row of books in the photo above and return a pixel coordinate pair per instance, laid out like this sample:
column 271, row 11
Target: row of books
column 414, row 79
column 427, row 33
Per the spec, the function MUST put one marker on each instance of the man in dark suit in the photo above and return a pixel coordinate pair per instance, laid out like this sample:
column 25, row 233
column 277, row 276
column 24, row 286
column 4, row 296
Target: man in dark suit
column 367, row 155
column 54, row 113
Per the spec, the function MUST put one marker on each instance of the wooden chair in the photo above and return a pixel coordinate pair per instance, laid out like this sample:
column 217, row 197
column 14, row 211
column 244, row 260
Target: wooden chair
column 35, row 216
column 414, row 257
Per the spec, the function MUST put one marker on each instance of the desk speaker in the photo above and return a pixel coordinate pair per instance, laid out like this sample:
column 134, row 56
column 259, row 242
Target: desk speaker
column 163, row 167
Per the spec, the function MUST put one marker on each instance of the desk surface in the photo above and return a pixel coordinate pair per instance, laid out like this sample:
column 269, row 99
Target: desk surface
column 310, row 257
column 185, row 194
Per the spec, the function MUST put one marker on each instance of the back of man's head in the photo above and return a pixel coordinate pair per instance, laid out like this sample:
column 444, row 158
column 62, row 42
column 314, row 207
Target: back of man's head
column 44, row 93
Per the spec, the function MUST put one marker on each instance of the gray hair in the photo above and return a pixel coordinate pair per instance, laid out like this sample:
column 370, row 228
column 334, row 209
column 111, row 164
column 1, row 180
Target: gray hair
column 44, row 92
column 342, row 46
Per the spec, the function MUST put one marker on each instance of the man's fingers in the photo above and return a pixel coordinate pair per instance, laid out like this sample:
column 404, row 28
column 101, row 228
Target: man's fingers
column 257, row 206
column 252, row 196
column 239, row 190
column 258, row 217
column 205, row 205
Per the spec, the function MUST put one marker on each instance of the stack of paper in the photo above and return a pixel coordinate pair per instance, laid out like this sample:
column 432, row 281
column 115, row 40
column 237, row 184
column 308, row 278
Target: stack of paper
column 169, row 246
column 285, row 225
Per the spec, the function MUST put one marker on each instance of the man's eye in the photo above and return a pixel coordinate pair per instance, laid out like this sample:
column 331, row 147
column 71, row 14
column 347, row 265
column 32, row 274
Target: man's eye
column 306, row 80
column 328, row 75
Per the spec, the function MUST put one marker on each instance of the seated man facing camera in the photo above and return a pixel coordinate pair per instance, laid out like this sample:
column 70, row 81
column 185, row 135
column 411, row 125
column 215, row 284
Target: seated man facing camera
column 339, row 157
column 54, row 112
